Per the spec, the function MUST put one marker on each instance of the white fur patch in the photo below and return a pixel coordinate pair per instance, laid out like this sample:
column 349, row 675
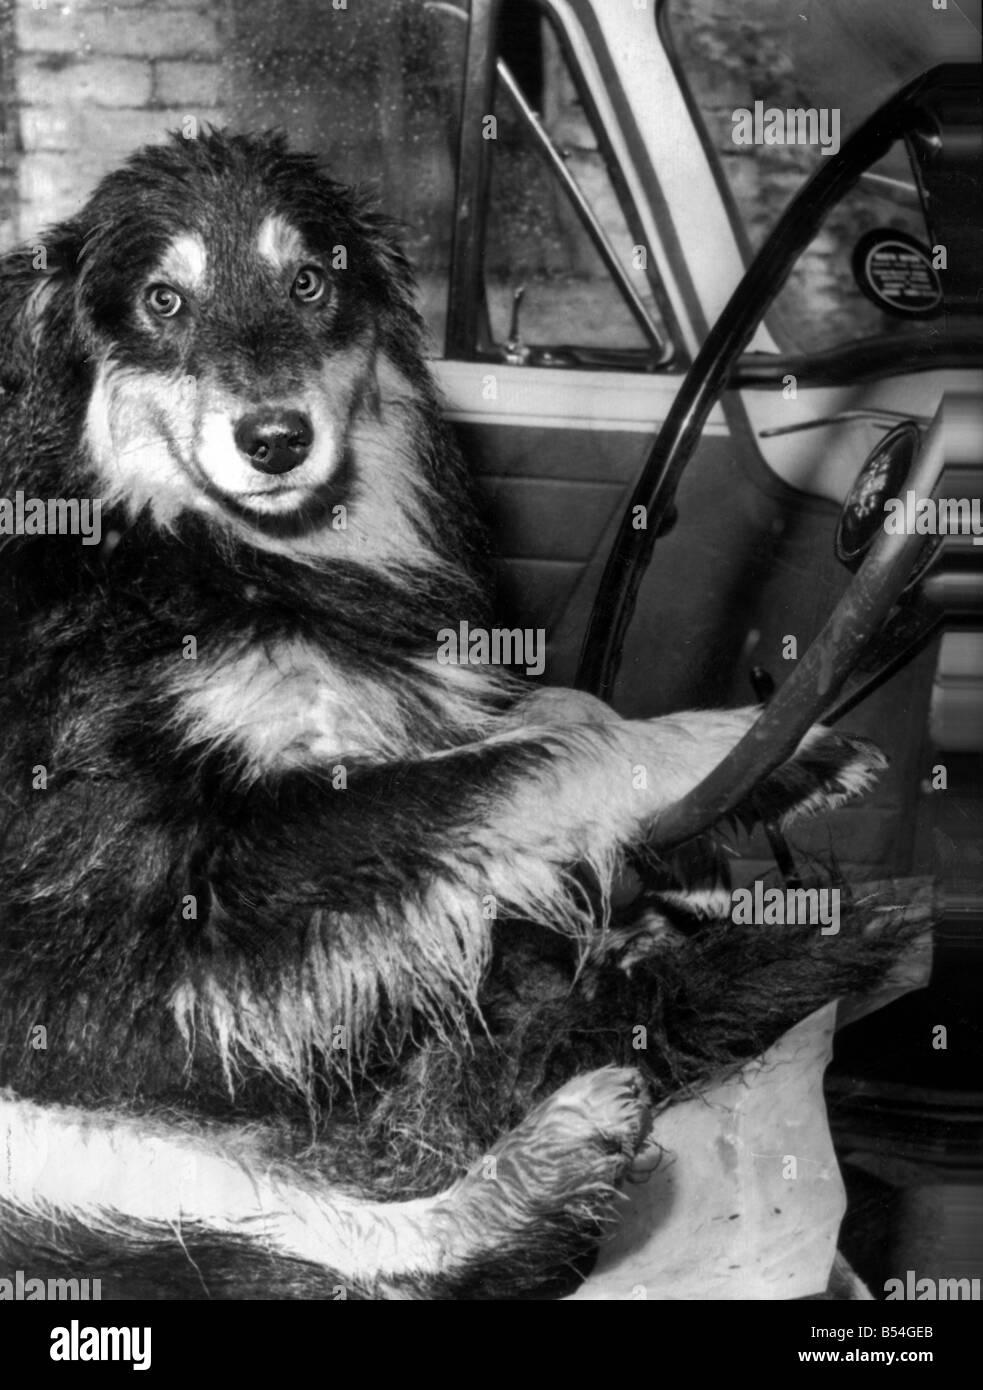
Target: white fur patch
column 184, row 263
column 140, row 432
column 126, row 1170
column 279, row 243
column 165, row 443
column 856, row 775
column 285, row 705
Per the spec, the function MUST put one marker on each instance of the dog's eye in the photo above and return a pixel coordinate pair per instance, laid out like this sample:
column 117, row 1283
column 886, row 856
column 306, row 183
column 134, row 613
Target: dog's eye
column 308, row 285
column 162, row 301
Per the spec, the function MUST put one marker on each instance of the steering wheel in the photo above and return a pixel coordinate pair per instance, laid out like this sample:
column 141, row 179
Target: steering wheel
column 885, row 572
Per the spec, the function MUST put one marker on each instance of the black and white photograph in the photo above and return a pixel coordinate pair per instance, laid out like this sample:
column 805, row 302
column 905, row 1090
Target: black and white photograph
column 491, row 663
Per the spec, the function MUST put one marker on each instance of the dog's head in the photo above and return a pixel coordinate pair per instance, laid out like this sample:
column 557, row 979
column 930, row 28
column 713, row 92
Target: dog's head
column 242, row 317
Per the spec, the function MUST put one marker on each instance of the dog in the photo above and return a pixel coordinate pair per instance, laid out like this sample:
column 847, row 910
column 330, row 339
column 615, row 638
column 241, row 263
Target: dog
column 318, row 977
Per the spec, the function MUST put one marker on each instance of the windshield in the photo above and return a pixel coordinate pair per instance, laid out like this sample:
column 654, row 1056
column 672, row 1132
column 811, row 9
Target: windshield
column 841, row 59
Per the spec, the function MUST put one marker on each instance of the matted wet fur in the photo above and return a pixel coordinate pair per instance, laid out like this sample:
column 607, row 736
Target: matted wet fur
column 309, row 982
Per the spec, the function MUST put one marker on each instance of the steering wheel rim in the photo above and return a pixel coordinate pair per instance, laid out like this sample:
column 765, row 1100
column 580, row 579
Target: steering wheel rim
column 822, row 670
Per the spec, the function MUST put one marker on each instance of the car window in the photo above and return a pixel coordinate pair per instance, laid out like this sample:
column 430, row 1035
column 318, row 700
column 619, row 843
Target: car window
column 376, row 89
column 553, row 208
column 865, row 272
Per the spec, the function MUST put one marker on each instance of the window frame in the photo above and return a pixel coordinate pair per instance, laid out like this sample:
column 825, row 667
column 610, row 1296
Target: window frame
column 468, row 336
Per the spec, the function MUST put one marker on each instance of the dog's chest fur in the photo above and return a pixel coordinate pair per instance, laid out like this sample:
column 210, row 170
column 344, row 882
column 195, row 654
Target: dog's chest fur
column 284, row 704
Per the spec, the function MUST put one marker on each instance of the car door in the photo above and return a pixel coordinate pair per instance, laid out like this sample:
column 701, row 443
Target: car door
column 569, row 324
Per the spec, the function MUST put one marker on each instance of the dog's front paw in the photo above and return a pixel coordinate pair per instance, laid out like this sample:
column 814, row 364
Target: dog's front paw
column 579, row 1141
column 546, row 1192
column 828, row 770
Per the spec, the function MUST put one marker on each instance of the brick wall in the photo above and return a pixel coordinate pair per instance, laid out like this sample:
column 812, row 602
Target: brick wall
column 88, row 80
column 370, row 85
column 8, row 129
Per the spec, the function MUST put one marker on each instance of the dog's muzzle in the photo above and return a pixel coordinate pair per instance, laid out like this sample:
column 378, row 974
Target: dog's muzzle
column 274, row 441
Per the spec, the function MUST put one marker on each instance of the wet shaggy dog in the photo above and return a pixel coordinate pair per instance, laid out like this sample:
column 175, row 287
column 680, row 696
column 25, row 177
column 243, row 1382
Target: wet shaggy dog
column 310, row 982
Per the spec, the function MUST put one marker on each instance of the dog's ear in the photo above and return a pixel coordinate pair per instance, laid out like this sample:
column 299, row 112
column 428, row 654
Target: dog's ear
column 384, row 237
column 36, row 303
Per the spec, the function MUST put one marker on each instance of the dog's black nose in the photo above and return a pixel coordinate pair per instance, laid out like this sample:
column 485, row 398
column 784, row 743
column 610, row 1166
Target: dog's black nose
column 274, row 441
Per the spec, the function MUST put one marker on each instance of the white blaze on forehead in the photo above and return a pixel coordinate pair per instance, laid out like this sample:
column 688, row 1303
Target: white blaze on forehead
column 279, row 243
column 185, row 261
